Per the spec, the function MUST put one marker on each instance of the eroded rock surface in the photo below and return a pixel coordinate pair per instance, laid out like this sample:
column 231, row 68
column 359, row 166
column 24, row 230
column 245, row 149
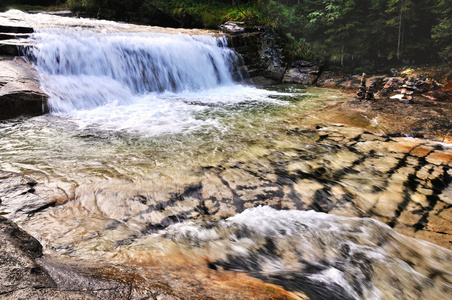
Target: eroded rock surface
column 403, row 182
column 26, row 274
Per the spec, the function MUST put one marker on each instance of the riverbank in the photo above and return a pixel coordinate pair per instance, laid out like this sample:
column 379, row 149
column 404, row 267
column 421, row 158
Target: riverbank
column 428, row 116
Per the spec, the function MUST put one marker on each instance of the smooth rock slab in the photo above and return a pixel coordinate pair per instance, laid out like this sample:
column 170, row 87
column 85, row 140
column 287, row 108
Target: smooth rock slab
column 18, row 252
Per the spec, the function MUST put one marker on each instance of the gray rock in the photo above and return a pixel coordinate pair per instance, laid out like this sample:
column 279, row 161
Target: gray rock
column 231, row 27
column 25, row 274
column 20, row 93
column 306, row 75
column 21, row 277
column 18, row 252
column 46, row 293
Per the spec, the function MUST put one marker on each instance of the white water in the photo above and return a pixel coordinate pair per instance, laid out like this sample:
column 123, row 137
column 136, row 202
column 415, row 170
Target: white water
column 327, row 256
column 154, row 83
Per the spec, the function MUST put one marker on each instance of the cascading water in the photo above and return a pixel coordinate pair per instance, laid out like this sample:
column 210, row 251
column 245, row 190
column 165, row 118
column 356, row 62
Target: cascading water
column 149, row 82
column 84, row 69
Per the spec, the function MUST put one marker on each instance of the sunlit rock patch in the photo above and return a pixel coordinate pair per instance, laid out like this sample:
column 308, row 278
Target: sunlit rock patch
column 402, row 182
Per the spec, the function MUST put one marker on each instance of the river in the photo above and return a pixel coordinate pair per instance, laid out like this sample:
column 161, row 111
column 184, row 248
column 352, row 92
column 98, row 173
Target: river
column 168, row 155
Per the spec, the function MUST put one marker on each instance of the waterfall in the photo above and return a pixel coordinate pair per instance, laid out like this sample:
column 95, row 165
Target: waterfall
column 84, row 69
column 149, row 82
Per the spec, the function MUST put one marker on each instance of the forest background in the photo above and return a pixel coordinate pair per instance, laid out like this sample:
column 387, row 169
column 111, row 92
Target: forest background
column 348, row 33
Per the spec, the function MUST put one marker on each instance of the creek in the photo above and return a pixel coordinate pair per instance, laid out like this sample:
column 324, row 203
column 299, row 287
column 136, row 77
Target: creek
column 151, row 131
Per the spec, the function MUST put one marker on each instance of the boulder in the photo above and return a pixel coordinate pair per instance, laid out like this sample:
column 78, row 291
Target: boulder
column 232, row 27
column 298, row 75
column 303, row 72
column 21, row 277
column 20, row 93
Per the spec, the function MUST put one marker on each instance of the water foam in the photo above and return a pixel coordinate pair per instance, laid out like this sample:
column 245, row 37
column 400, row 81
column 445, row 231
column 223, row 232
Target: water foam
column 148, row 81
column 325, row 256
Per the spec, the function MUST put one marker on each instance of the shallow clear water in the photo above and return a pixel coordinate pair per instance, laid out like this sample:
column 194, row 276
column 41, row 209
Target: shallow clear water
column 96, row 143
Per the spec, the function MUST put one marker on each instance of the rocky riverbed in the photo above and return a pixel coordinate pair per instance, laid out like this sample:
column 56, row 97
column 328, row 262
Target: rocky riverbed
column 403, row 182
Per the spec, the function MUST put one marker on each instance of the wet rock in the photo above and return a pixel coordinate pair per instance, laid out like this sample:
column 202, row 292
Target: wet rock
column 25, row 274
column 21, row 277
column 15, row 29
column 14, row 47
column 21, row 196
column 262, row 52
column 14, row 37
column 20, row 93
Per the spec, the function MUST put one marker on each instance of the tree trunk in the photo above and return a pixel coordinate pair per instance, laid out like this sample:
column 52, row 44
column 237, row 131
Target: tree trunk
column 342, row 55
column 399, row 40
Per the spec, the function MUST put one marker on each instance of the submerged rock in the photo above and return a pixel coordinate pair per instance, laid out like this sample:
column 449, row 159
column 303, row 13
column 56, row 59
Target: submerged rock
column 21, row 196
column 25, row 273
column 20, row 93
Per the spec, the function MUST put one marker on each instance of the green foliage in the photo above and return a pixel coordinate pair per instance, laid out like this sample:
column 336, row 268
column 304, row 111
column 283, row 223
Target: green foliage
column 298, row 49
column 442, row 31
column 371, row 32
column 347, row 32
column 26, row 5
column 88, row 5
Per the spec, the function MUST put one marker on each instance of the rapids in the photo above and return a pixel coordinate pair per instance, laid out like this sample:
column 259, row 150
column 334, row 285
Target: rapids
column 140, row 120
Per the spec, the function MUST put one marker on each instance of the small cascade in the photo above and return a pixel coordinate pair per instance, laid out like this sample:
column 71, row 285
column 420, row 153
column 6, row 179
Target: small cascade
column 322, row 255
column 84, row 69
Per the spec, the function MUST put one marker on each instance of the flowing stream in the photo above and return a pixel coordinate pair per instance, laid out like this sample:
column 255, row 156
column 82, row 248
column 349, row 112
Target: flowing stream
column 138, row 120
